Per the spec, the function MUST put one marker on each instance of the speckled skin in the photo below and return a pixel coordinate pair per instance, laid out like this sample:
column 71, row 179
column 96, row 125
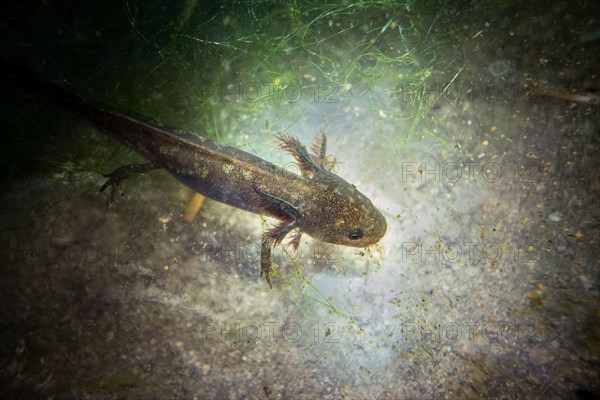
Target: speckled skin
column 328, row 208
column 317, row 202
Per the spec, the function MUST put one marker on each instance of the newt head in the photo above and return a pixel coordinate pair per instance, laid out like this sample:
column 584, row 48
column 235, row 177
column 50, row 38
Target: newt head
column 340, row 214
column 332, row 210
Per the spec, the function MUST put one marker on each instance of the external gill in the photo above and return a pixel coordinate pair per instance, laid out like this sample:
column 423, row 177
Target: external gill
column 318, row 154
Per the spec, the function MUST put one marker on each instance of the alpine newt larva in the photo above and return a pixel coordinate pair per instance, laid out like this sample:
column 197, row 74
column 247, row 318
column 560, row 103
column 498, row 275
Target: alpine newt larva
column 317, row 202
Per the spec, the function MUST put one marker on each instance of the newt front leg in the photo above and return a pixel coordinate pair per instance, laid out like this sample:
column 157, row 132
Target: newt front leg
column 265, row 261
column 288, row 215
column 273, row 237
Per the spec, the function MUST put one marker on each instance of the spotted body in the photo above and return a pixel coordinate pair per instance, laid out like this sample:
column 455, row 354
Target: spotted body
column 316, row 202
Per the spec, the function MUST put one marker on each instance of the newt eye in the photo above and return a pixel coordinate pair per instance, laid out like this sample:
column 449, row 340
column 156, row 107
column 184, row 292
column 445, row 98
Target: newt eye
column 355, row 234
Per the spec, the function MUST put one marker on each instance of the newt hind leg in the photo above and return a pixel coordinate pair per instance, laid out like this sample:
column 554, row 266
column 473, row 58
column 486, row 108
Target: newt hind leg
column 116, row 177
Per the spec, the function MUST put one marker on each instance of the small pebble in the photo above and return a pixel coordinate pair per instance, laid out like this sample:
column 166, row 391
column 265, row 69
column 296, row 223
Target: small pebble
column 539, row 356
column 501, row 67
column 556, row 216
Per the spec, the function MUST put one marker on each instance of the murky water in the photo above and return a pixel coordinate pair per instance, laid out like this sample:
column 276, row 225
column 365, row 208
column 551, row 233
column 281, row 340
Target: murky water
column 485, row 286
